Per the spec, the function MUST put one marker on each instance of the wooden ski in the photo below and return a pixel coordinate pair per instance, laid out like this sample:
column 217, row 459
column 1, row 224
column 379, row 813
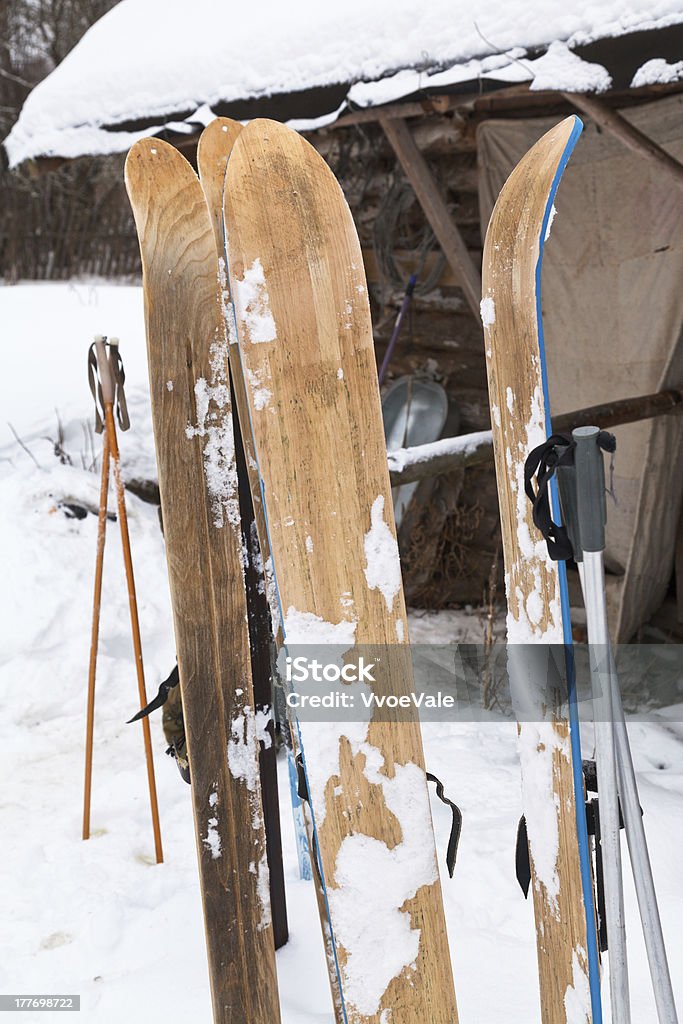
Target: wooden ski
column 187, row 350
column 213, row 152
column 305, row 343
column 520, row 420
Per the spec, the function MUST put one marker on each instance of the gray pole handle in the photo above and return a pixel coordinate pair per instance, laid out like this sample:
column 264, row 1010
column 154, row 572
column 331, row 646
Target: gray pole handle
column 590, row 488
column 106, row 380
column 566, row 483
column 113, row 352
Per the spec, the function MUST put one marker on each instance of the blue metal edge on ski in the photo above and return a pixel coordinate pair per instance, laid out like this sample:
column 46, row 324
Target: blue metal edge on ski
column 574, row 722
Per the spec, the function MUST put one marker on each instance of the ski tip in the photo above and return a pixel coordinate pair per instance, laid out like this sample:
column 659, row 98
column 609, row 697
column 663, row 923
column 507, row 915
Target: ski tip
column 265, row 146
column 268, row 133
column 571, row 129
column 145, row 154
column 576, row 127
column 578, row 123
column 215, row 145
column 562, row 136
column 213, row 153
column 267, row 126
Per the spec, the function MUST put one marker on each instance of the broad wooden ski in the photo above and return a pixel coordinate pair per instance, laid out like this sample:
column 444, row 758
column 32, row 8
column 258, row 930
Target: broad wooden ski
column 213, row 153
column 536, row 594
column 188, row 367
column 305, row 343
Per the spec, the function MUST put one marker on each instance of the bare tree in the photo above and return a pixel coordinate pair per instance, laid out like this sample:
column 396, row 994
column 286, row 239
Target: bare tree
column 75, row 220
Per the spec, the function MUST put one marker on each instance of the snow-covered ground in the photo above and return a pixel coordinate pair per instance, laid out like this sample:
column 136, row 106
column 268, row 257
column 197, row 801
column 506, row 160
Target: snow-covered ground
column 100, row 918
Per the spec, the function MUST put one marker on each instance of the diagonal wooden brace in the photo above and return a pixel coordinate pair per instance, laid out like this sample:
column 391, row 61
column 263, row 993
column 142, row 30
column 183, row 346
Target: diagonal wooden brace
column 635, row 140
column 435, row 209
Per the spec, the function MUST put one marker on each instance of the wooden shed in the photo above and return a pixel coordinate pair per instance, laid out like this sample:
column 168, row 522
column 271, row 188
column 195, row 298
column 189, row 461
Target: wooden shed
column 422, row 115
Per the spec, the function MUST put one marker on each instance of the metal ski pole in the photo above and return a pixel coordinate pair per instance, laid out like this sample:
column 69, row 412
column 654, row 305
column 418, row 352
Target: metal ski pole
column 590, row 501
column 630, row 803
column 640, row 862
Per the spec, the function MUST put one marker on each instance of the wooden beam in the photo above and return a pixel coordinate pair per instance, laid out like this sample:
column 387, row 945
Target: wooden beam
column 411, row 464
column 624, row 410
column 617, row 125
column 373, row 114
column 436, row 211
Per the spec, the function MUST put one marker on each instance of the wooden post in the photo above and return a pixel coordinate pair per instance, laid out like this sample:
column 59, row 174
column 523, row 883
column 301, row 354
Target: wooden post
column 617, row 125
column 107, row 384
column 435, row 209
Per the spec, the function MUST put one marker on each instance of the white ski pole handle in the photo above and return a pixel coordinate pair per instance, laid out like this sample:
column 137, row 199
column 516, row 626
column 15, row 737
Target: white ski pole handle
column 590, row 488
column 104, row 370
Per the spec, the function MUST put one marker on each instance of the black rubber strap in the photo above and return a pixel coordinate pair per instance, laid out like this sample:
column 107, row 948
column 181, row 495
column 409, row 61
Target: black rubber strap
column 95, row 389
column 456, row 824
column 542, row 463
column 119, row 379
column 119, row 376
column 160, row 699
column 301, row 783
column 522, row 859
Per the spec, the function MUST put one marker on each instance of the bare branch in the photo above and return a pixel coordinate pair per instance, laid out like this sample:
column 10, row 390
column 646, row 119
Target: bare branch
column 22, row 445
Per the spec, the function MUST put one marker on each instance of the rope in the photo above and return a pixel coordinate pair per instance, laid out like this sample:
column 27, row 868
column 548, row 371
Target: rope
column 394, row 229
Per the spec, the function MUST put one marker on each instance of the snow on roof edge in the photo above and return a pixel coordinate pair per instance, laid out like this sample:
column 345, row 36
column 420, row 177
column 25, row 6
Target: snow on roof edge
column 558, row 68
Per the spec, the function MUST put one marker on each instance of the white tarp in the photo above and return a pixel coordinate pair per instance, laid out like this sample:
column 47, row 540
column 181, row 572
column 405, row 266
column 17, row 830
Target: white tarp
column 613, row 313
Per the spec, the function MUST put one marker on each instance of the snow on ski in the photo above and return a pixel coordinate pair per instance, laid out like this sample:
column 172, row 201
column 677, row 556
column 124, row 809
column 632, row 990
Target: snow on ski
column 538, row 611
column 192, row 416
column 305, row 343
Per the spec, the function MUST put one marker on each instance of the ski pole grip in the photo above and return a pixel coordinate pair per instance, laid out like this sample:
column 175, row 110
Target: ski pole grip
column 104, row 370
column 590, row 488
column 566, row 483
column 114, row 356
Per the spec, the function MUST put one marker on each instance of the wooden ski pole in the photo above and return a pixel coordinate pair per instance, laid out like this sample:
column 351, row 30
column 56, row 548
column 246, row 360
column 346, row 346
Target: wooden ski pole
column 107, row 384
column 94, row 636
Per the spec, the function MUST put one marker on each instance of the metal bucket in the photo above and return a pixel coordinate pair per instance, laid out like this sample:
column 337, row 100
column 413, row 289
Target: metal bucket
column 414, row 412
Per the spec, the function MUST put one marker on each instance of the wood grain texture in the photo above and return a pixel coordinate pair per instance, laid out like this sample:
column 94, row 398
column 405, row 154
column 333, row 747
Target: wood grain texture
column 513, row 357
column 314, row 412
column 213, row 153
column 187, row 346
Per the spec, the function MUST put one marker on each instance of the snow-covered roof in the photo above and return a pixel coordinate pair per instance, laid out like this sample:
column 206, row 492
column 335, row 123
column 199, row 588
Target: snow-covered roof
column 150, row 65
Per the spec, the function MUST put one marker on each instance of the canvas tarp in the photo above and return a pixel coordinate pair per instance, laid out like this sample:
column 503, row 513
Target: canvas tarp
column 612, row 301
